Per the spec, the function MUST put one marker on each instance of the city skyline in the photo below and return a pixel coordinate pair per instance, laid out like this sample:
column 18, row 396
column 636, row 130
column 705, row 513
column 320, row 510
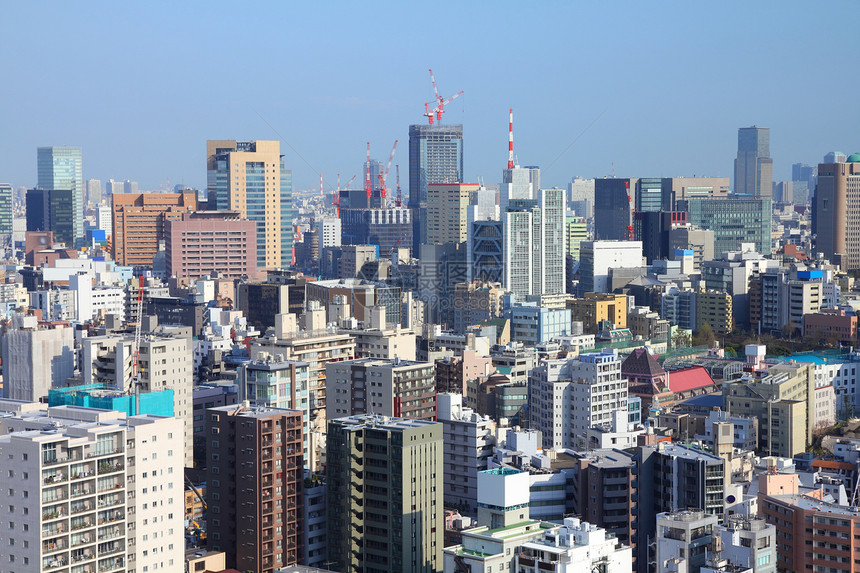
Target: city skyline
column 658, row 91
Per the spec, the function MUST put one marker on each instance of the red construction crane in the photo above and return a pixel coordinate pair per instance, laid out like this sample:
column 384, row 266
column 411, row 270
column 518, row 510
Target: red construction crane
column 367, row 173
column 632, row 207
column 336, row 201
column 440, row 102
column 399, row 201
column 383, row 179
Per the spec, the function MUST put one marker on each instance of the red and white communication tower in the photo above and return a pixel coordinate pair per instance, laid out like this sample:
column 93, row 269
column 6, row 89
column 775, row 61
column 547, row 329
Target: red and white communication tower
column 511, row 139
column 367, row 173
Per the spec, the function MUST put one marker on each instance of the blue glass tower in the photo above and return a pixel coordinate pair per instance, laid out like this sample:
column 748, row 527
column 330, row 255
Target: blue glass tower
column 60, row 169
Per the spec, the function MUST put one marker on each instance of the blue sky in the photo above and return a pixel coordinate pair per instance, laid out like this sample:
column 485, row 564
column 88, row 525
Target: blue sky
column 141, row 86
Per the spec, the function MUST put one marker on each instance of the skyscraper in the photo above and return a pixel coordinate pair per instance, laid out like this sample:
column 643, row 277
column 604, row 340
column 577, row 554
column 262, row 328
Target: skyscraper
column 738, row 220
column 52, row 210
column 435, row 156
column 613, row 219
column 533, row 243
column 384, row 495
column 6, row 204
column 60, row 168
column 835, row 212
column 249, row 177
column 753, row 166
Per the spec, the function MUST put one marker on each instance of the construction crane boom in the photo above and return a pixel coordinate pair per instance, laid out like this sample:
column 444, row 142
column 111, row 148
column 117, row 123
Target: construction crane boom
column 383, row 179
column 440, row 103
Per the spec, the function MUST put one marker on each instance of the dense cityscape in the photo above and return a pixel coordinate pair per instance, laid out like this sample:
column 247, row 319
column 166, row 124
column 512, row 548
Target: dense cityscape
column 434, row 371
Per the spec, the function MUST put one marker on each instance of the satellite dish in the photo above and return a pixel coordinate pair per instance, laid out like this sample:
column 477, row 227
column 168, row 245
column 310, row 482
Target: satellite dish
column 730, row 499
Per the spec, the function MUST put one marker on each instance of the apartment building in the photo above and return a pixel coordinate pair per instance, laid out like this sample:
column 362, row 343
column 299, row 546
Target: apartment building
column 385, row 387
column 140, row 222
column 91, row 490
column 384, row 498
column 254, row 481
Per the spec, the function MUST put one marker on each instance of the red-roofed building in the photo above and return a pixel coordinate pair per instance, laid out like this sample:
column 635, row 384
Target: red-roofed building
column 691, row 381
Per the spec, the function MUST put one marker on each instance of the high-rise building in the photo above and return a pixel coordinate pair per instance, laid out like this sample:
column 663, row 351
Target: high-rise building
column 753, row 166
column 91, row 490
column 104, row 219
column 129, row 186
column 6, row 213
column 114, row 187
column 384, row 495
column 60, row 169
column 140, row 222
column 330, row 232
column 254, row 482
column 485, row 251
column 166, row 363
column 534, row 245
column 650, row 195
column 388, row 229
column 577, row 231
column 94, row 192
column 446, row 212
column 250, row 177
column 836, row 212
column 834, row 157
column 613, row 209
column 35, row 359
column 677, row 190
column 52, row 210
column 567, row 397
column 518, row 184
column 435, row 156
column 738, row 220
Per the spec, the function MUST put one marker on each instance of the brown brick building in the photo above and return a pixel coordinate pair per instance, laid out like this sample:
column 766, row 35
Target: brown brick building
column 254, row 486
column 140, row 222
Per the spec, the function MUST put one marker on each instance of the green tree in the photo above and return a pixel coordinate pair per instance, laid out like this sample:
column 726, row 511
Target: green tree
column 704, row 336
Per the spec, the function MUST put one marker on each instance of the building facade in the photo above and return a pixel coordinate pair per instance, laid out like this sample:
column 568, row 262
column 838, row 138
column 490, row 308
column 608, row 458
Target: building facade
column 435, row 156
column 835, row 212
column 209, row 243
column 140, row 223
column 61, row 169
column 254, row 482
column 384, row 495
column 753, row 165
column 250, row 177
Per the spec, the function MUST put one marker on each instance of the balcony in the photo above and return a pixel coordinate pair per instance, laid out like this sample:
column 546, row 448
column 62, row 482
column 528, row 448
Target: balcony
column 110, row 467
column 54, row 477
column 55, row 529
column 81, row 523
column 52, row 514
column 49, row 563
column 82, row 506
column 110, row 564
column 54, row 546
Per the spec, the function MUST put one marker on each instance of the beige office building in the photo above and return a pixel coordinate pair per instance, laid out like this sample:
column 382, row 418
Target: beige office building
column 446, row 212
column 249, row 177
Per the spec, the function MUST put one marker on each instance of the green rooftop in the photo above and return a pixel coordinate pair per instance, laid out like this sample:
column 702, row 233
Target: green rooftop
column 853, row 158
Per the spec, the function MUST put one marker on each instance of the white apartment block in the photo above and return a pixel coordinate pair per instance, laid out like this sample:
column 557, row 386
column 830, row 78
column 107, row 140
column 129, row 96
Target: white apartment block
column 469, row 439
column 330, row 232
column 567, row 397
column 90, row 491
column 165, row 364
column 35, row 358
